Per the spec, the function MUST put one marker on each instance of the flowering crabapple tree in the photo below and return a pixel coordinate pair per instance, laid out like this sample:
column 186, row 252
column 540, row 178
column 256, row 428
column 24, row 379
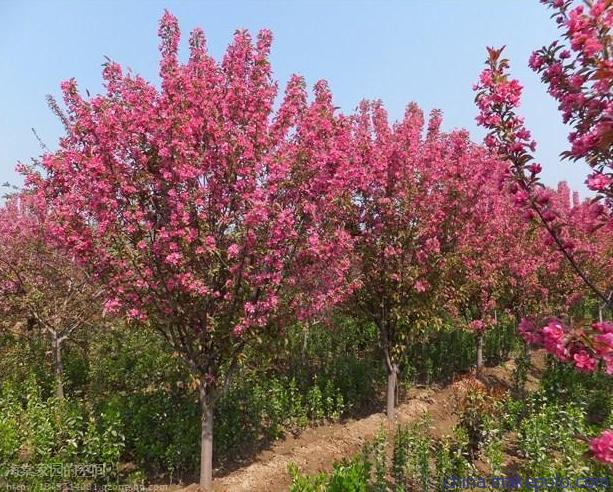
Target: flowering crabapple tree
column 413, row 193
column 591, row 247
column 556, row 288
column 41, row 286
column 564, row 291
column 579, row 77
column 206, row 213
column 486, row 252
column 500, row 265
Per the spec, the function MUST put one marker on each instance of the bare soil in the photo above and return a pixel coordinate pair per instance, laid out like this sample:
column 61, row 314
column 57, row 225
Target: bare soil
column 318, row 448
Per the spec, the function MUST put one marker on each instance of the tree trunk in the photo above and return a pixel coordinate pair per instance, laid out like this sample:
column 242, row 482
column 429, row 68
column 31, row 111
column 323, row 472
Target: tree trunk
column 58, row 366
column 305, row 340
column 206, row 442
column 479, row 352
column 392, row 378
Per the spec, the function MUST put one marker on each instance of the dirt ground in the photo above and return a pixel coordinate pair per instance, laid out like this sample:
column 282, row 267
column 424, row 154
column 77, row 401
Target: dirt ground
column 317, row 448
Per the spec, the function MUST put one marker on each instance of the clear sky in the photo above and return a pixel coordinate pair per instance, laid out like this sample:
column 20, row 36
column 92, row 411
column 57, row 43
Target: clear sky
column 399, row 51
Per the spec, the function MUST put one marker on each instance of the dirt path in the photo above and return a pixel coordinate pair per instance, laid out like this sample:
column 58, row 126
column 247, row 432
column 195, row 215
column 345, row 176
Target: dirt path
column 316, row 449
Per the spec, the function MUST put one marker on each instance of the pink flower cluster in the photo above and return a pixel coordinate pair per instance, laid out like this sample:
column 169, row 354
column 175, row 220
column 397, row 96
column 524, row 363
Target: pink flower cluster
column 584, row 348
column 580, row 79
column 477, row 325
column 527, row 329
column 602, row 447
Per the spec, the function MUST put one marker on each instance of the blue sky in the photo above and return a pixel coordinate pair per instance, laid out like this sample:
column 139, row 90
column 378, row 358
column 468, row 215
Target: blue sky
column 429, row 52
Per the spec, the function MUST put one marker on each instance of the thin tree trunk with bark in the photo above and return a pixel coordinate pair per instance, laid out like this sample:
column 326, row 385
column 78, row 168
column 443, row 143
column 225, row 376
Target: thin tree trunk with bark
column 206, row 442
column 479, row 352
column 392, row 381
column 305, row 340
column 58, row 366
column 391, row 367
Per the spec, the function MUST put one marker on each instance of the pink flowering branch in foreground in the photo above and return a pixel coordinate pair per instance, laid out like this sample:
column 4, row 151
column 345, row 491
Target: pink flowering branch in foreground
column 580, row 79
column 497, row 98
column 580, row 76
column 577, row 232
column 585, row 348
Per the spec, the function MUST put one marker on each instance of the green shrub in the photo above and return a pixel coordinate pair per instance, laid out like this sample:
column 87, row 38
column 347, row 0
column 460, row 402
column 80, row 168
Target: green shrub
column 36, row 431
column 346, row 476
column 492, row 450
column 547, row 438
column 306, row 483
column 400, row 457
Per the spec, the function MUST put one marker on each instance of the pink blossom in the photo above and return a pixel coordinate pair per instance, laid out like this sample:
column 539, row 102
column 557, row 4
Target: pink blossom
column 535, row 61
column 233, row 250
column 602, row 447
column 420, row 286
column 598, row 182
column 476, row 325
column 603, row 326
column 584, row 362
column 173, row 258
column 554, row 339
column 528, row 330
column 535, row 168
column 112, row 305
